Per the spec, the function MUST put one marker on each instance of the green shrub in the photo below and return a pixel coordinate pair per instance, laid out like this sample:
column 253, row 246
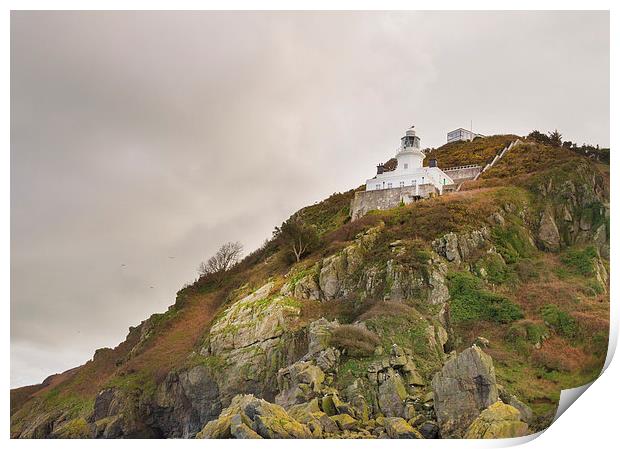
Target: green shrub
column 494, row 270
column 526, row 331
column 512, row 243
column 580, row 261
column 469, row 302
column 562, row 322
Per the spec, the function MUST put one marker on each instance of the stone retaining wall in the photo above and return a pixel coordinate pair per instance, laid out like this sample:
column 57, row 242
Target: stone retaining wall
column 388, row 198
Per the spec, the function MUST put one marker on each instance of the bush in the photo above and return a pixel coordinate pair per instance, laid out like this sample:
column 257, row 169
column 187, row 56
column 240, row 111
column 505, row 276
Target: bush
column 494, row 270
column 526, row 331
column 511, row 243
column 580, row 261
column 562, row 322
column 354, row 341
column 469, row 302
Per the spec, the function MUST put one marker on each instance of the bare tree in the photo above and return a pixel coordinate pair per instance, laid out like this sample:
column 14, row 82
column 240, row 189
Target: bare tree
column 224, row 259
column 299, row 237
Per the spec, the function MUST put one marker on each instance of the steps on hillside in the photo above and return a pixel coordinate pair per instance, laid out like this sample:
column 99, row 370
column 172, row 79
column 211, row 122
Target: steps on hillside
column 496, row 159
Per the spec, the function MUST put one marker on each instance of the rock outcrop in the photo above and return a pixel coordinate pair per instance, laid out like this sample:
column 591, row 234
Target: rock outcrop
column 462, row 389
column 253, row 339
column 458, row 247
column 548, row 233
column 499, row 420
column 250, row 417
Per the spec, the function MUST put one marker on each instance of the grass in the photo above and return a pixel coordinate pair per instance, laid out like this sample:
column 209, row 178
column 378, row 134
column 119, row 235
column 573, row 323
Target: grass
column 478, row 151
column 526, row 158
column 512, row 242
column 493, row 269
column 580, row 261
column 560, row 321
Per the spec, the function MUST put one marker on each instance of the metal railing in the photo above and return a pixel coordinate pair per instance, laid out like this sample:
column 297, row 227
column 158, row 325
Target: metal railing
column 462, row 167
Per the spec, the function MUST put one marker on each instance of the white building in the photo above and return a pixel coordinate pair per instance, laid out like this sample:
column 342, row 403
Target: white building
column 409, row 171
column 462, row 134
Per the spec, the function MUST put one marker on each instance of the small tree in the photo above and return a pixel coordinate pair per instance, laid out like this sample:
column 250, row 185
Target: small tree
column 297, row 236
column 539, row 137
column 555, row 138
column 224, row 259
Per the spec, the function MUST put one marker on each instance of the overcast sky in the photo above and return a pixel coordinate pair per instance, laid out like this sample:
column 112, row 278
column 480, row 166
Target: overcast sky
column 149, row 139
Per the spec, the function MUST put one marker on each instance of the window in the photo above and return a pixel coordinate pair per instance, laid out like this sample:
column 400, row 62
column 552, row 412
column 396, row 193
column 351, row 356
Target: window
column 402, row 183
column 378, row 186
column 413, row 182
column 389, row 185
column 406, row 166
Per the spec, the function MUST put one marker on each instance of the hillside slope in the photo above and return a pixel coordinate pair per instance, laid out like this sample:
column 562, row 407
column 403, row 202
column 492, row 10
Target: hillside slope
column 366, row 335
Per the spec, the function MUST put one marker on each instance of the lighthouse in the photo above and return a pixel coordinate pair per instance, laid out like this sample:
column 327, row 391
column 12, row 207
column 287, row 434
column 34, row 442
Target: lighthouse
column 409, row 171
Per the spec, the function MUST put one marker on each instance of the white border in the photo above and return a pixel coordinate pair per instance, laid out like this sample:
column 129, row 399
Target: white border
column 591, row 421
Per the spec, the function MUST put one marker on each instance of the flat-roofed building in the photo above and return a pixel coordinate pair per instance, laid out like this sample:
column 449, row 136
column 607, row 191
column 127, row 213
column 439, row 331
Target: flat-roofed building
column 462, row 134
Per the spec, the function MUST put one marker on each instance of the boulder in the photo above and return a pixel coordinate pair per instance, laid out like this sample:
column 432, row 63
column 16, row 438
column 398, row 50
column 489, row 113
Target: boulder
column 261, row 417
column 345, row 422
column 526, row 413
column 252, row 319
column 548, row 233
column 429, row 430
column 398, row 428
column 464, row 387
column 392, row 393
column 439, row 293
column 307, row 288
column 331, row 275
column 328, row 360
column 319, row 335
column 498, row 421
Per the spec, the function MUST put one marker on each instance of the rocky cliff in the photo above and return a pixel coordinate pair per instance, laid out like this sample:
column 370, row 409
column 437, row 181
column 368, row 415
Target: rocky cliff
column 457, row 316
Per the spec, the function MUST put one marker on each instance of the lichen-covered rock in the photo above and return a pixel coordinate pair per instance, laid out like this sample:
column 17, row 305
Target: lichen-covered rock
column 499, row 420
column 438, row 293
column 319, row 334
column 447, row 246
column 464, row 387
column 398, row 428
column 548, row 233
column 328, row 360
column 392, row 393
column 254, row 318
column 345, row 422
column 261, row 417
column 308, row 288
column 403, row 283
column 254, row 338
column 459, row 247
column 526, row 413
column 299, row 383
